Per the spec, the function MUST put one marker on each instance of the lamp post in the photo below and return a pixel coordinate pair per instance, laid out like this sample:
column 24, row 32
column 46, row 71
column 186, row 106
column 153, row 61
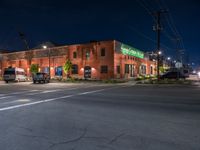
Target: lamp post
column 45, row 47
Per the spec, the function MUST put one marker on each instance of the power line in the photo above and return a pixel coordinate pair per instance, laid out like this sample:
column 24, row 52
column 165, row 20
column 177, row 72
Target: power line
column 142, row 3
column 170, row 22
column 146, row 37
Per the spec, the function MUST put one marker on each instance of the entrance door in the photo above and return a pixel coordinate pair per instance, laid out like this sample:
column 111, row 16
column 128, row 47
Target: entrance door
column 87, row 72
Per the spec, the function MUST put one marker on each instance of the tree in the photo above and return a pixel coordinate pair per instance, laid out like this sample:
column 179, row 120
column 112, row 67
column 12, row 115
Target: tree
column 67, row 67
column 34, row 68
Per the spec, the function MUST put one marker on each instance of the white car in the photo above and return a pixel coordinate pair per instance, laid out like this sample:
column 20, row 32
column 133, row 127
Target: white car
column 14, row 74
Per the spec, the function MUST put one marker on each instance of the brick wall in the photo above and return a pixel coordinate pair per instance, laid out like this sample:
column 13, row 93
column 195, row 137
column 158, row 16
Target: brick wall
column 94, row 59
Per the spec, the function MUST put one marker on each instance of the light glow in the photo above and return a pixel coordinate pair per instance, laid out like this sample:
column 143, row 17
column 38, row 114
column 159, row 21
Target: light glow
column 199, row 74
column 44, row 46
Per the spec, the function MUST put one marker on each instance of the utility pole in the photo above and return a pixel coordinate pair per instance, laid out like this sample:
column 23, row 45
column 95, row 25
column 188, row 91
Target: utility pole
column 158, row 29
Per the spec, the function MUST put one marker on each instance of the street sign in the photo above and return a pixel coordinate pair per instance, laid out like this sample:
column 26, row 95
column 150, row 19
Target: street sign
column 178, row 65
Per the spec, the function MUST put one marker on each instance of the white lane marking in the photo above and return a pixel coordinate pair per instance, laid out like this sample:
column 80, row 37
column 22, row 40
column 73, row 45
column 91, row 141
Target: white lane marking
column 84, row 93
column 51, row 91
column 47, row 100
column 24, row 92
column 34, row 103
column 5, row 97
column 47, row 91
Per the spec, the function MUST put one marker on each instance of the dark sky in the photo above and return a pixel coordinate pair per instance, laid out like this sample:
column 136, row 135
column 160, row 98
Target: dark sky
column 78, row 21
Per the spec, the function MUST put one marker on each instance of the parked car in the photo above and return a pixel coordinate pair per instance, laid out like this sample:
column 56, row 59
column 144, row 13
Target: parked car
column 14, row 74
column 172, row 75
column 41, row 77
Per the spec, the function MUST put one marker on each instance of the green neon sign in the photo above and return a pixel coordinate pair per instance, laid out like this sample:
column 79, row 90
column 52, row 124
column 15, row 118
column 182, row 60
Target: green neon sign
column 128, row 50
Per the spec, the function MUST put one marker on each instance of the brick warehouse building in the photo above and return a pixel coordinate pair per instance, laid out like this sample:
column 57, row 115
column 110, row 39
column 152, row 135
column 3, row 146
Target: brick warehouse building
column 95, row 60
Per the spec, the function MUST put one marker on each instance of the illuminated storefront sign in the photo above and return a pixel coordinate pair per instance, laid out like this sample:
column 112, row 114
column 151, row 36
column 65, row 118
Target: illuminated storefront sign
column 127, row 50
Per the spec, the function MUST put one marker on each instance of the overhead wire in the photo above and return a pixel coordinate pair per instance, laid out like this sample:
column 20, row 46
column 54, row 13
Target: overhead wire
column 149, row 10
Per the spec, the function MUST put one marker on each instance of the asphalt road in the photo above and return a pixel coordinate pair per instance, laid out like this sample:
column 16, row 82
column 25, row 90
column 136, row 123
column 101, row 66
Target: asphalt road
column 99, row 117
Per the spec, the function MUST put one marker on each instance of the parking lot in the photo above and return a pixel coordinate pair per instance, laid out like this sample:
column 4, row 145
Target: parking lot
column 94, row 116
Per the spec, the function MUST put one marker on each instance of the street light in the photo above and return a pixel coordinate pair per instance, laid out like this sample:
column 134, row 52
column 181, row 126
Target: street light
column 168, row 58
column 45, row 47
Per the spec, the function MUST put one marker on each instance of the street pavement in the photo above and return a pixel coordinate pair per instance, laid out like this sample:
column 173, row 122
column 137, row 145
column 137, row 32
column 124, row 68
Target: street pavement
column 94, row 116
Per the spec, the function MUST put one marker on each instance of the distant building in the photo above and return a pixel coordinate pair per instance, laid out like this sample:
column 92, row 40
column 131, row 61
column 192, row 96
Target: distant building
column 93, row 60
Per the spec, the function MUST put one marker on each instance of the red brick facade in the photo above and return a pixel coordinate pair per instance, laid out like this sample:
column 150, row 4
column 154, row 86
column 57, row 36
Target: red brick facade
column 103, row 58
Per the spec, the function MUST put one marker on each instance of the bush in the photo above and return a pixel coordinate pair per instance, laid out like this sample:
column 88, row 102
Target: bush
column 166, row 81
column 113, row 81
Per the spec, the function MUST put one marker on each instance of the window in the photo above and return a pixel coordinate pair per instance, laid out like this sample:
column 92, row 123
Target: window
column 58, row 71
column 87, row 54
column 104, row 69
column 143, row 69
column 118, row 69
column 45, row 70
column 126, row 68
column 74, row 69
column 74, row 55
column 103, row 52
column 19, row 73
column 151, row 70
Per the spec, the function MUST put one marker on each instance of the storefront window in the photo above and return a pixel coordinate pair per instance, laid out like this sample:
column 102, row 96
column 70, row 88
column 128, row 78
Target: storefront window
column 46, row 70
column 58, row 71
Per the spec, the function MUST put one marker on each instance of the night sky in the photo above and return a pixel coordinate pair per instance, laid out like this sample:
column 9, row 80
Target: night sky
column 129, row 21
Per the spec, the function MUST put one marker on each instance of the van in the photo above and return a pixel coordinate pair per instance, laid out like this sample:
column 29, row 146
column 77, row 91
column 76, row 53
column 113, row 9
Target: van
column 14, row 74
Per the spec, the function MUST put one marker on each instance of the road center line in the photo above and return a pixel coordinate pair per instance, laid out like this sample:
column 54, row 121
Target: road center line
column 47, row 100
